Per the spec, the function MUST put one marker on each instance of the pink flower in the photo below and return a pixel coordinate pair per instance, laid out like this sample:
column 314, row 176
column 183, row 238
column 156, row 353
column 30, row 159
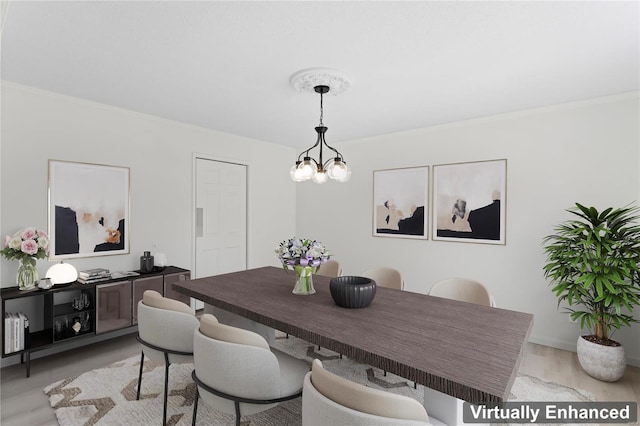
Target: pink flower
column 29, row 234
column 29, row 247
column 27, row 244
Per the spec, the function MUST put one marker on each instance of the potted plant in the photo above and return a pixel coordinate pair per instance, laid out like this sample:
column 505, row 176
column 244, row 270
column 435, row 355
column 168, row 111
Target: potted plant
column 593, row 263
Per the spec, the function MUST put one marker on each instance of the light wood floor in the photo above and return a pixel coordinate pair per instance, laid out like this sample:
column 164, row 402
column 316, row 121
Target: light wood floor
column 24, row 402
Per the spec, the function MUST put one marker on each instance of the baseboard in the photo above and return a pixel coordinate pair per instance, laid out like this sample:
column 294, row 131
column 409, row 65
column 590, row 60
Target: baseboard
column 560, row 344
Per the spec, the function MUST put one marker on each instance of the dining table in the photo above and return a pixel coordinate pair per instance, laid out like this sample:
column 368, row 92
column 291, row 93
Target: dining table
column 459, row 351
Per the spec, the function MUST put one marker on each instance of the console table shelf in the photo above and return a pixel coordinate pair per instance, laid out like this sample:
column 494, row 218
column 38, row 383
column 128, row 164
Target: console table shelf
column 77, row 311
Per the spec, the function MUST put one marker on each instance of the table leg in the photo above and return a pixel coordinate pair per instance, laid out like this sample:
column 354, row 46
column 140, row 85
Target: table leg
column 445, row 408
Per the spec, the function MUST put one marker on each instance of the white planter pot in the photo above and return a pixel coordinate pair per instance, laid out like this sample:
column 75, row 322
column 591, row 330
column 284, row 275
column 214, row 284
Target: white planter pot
column 602, row 362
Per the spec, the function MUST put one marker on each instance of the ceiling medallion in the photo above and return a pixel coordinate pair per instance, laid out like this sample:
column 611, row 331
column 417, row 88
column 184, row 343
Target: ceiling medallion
column 308, row 79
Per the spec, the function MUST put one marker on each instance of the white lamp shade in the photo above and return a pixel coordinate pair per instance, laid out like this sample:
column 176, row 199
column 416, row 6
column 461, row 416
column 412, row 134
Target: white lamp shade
column 62, row 273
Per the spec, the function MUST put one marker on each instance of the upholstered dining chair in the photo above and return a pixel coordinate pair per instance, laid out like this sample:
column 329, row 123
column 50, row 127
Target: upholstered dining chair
column 385, row 277
column 237, row 372
column 165, row 330
column 464, row 290
column 331, row 268
column 328, row 399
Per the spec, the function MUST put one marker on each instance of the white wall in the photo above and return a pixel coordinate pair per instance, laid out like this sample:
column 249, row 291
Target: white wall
column 586, row 152
column 38, row 126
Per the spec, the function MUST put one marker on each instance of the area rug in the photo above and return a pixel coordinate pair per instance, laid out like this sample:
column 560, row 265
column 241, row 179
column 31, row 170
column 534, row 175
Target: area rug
column 107, row 396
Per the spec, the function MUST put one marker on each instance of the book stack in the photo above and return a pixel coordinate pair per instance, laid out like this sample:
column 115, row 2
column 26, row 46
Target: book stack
column 95, row 275
column 16, row 332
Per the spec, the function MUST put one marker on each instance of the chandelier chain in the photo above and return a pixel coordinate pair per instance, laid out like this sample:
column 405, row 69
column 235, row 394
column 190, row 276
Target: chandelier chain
column 321, row 108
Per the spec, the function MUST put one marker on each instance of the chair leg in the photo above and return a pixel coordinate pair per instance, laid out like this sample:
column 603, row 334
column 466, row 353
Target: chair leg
column 166, row 387
column 195, row 407
column 237, row 404
column 140, row 376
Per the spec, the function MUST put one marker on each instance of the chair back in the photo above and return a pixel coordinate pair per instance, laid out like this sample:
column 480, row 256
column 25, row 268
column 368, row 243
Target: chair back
column 166, row 327
column 236, row 362
column 329, row 399
column 386, row 277
column 331, row 268
column 462, row 289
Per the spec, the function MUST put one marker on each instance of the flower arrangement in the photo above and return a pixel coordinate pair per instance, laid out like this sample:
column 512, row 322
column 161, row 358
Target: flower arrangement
column 26, row 245
column 302, row 252
column 304, row 257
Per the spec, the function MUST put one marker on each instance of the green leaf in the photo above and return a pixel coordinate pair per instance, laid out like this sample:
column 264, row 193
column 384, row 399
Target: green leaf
column 593, row 260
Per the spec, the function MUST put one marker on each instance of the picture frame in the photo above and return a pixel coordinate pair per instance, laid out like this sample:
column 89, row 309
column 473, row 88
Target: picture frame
column 88, row 210
column 469, row 202
column 400, row 202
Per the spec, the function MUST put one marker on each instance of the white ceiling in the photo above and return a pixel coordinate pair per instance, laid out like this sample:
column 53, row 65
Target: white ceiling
column 226, row 65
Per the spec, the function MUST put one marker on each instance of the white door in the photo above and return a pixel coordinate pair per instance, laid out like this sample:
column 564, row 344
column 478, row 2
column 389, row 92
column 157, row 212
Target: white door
column 221, row 218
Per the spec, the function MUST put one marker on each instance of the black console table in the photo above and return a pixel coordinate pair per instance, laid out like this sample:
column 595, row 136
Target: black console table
column 77, row 311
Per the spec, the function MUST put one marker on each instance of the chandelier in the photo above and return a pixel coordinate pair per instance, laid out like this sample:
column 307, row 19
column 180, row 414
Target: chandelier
column 307, row 167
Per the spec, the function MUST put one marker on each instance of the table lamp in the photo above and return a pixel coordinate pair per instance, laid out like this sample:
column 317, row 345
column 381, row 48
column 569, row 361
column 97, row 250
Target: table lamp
column 62, row 273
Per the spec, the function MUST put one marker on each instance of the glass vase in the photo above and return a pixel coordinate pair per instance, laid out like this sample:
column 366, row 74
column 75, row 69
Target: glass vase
column 27, row 277
column 304, row 280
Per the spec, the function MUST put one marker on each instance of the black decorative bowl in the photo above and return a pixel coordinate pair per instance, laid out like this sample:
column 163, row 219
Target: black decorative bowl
column 352, row 291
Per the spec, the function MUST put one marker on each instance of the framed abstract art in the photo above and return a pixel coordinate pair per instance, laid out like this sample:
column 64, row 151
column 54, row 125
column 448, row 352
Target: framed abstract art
column 400, row 198
column 469, row 202
column 88, row 210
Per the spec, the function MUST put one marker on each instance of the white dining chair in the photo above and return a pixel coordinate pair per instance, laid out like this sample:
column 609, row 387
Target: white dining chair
column 328, row 399
column 165, row 331
column 385, row 277
column 331, row 268
column 237, row 372
column 464, row 290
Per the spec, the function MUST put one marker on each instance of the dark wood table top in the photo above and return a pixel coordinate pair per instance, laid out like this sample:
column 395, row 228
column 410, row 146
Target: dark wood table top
column 468, row 351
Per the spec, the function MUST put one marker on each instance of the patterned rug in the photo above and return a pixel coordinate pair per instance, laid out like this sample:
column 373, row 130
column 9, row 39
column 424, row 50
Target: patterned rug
column 107, row 396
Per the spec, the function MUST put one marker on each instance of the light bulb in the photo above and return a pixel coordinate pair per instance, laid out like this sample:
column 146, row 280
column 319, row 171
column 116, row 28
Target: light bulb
column 307, row 169
column 345, row 176
column 296, row 172
column 339, row 170
column 320, row 177
column 328, row 167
